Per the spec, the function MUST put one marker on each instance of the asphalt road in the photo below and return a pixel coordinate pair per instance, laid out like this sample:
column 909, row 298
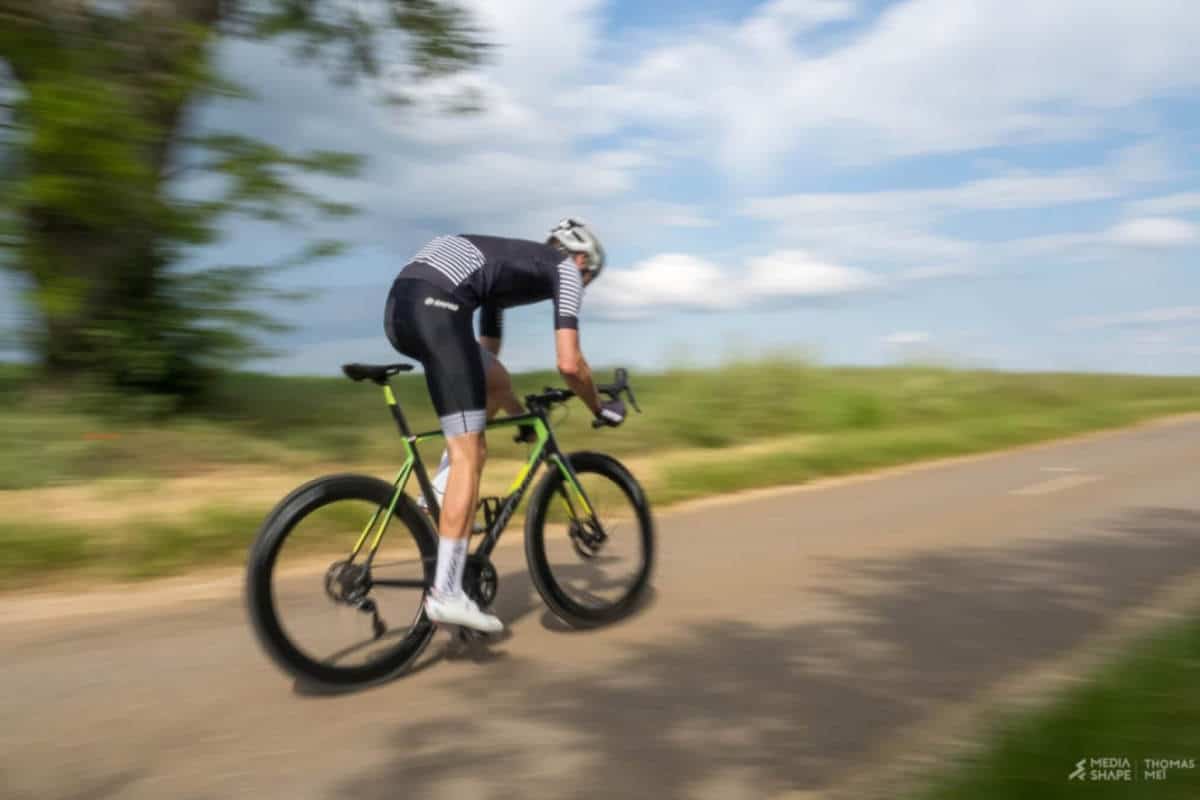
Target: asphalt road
column 789, row 640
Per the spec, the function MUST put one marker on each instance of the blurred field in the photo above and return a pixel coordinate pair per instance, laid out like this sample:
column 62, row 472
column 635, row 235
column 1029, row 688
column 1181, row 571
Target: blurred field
column 1145, row 704
column 89, row 486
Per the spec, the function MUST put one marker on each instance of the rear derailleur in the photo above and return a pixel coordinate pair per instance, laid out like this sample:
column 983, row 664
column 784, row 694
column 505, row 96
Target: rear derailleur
column 350, row 583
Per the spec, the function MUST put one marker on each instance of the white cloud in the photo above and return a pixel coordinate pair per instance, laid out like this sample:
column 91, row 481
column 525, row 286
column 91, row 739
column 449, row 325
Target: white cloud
column 902, row 226
column 679, row 281
column 1017, row 190
column 1154, row 317
column 906, row 338
column 926, row 76
column 769, row 95
column 514, row 168
column 1155, row 232
column 793, row 273
column 669, row 280
column 937, row 273
column 1125, row 170
column 737, row 95
column 1167, row 204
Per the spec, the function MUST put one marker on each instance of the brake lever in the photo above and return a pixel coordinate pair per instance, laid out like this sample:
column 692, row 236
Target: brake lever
column 632, row 399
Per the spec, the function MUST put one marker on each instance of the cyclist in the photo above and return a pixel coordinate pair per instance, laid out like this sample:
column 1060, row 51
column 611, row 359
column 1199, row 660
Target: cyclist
column 428, row 318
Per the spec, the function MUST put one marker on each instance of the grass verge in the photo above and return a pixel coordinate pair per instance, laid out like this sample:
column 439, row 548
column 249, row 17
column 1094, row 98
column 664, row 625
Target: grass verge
column 143, row 548
column 857, row 451
column 1144, row 705
column 703, row 433
column 54, row 438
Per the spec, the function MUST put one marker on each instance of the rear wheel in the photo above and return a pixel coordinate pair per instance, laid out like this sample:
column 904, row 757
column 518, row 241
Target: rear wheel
column 325, row 613
column 590, row 568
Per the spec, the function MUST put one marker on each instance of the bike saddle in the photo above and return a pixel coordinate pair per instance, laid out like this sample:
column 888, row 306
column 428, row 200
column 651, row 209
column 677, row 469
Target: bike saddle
column 377, row 373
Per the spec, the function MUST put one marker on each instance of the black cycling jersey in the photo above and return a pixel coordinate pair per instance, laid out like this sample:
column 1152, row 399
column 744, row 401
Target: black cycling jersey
column 429, row 309
column 497, row 273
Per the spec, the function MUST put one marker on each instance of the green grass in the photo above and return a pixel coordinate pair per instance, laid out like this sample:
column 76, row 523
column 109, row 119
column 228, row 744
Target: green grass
column 1144, row 705
column 859, row 450
column 143, row 548
column 58, row 437
column 153, row 548
column 28, row 551
column 800, row 421
column 150, row 547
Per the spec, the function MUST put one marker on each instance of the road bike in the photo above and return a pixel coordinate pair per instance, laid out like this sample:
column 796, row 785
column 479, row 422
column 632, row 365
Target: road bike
column 584, row 517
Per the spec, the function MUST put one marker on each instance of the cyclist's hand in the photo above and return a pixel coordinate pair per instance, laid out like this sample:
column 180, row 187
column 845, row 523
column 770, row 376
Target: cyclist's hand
column 611, row 413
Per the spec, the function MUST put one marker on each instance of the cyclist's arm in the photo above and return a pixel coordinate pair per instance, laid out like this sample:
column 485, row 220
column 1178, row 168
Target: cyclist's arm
column 574, row 368
column 568, row 293
column 491, row 326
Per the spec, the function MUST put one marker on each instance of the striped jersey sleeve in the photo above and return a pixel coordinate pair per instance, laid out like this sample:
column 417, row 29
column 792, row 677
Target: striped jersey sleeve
column 568, row 295
column 453, row 256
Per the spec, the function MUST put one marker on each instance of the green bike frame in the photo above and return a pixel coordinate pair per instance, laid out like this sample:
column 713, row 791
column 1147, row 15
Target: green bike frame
column 545, row 448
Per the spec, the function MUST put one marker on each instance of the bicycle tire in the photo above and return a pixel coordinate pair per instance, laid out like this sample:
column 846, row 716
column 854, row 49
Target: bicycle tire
column 274, row 531
column 549, row 587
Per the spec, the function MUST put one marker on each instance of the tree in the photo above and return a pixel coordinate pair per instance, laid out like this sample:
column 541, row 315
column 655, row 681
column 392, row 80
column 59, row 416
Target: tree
column 94, row 137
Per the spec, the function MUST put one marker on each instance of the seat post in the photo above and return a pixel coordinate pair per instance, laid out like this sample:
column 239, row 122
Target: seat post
column 397, row 414
column 418, row 465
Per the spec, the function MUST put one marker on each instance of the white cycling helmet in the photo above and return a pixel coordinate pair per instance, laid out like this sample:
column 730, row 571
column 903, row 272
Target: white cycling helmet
column 575, row 237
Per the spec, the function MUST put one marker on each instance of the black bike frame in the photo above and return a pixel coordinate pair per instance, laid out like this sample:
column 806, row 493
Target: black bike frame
column 545, row 449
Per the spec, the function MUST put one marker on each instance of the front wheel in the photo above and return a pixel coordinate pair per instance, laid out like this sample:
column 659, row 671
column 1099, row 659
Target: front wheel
column 590, row 553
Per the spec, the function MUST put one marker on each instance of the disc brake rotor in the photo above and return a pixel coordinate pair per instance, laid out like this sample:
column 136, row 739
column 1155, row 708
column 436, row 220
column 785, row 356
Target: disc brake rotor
column 586, row 538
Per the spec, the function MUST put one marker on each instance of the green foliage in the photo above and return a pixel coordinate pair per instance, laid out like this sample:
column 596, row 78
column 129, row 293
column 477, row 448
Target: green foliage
column 28, row 550
column 1145, row 704
column 95, row 144
column 156, row 547
column 436, row 34
column 831, row 420
column 800, row 423
column 145, row 548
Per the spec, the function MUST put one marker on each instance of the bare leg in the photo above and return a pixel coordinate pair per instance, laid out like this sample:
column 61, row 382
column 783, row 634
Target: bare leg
column 448, row 602
column 467, row 455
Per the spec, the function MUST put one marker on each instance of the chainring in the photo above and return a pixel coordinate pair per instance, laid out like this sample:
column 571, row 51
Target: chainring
column 480, row 580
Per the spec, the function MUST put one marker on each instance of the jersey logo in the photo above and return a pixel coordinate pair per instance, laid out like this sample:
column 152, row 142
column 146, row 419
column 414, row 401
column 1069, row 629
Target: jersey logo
column 429, row 301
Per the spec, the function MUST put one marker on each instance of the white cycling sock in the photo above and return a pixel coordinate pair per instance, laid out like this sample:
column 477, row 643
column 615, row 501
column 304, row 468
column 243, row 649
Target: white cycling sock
column 452, row 557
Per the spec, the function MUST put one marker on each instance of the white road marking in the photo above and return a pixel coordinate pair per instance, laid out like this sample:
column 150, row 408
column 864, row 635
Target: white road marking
column 1056, row 484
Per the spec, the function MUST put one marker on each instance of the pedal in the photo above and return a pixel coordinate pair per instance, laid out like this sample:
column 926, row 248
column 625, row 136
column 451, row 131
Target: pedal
column 470, row 635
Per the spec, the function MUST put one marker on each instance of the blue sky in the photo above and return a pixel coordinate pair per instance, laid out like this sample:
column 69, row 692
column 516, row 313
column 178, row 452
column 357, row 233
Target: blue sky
column 982, row 182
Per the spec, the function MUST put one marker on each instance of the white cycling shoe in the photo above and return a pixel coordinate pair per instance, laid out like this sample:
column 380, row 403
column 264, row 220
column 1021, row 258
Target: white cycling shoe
column 461, row 610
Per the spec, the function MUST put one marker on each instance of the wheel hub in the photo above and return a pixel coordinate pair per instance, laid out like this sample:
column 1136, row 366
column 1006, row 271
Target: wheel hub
column 347, row 583
column 586, row 539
